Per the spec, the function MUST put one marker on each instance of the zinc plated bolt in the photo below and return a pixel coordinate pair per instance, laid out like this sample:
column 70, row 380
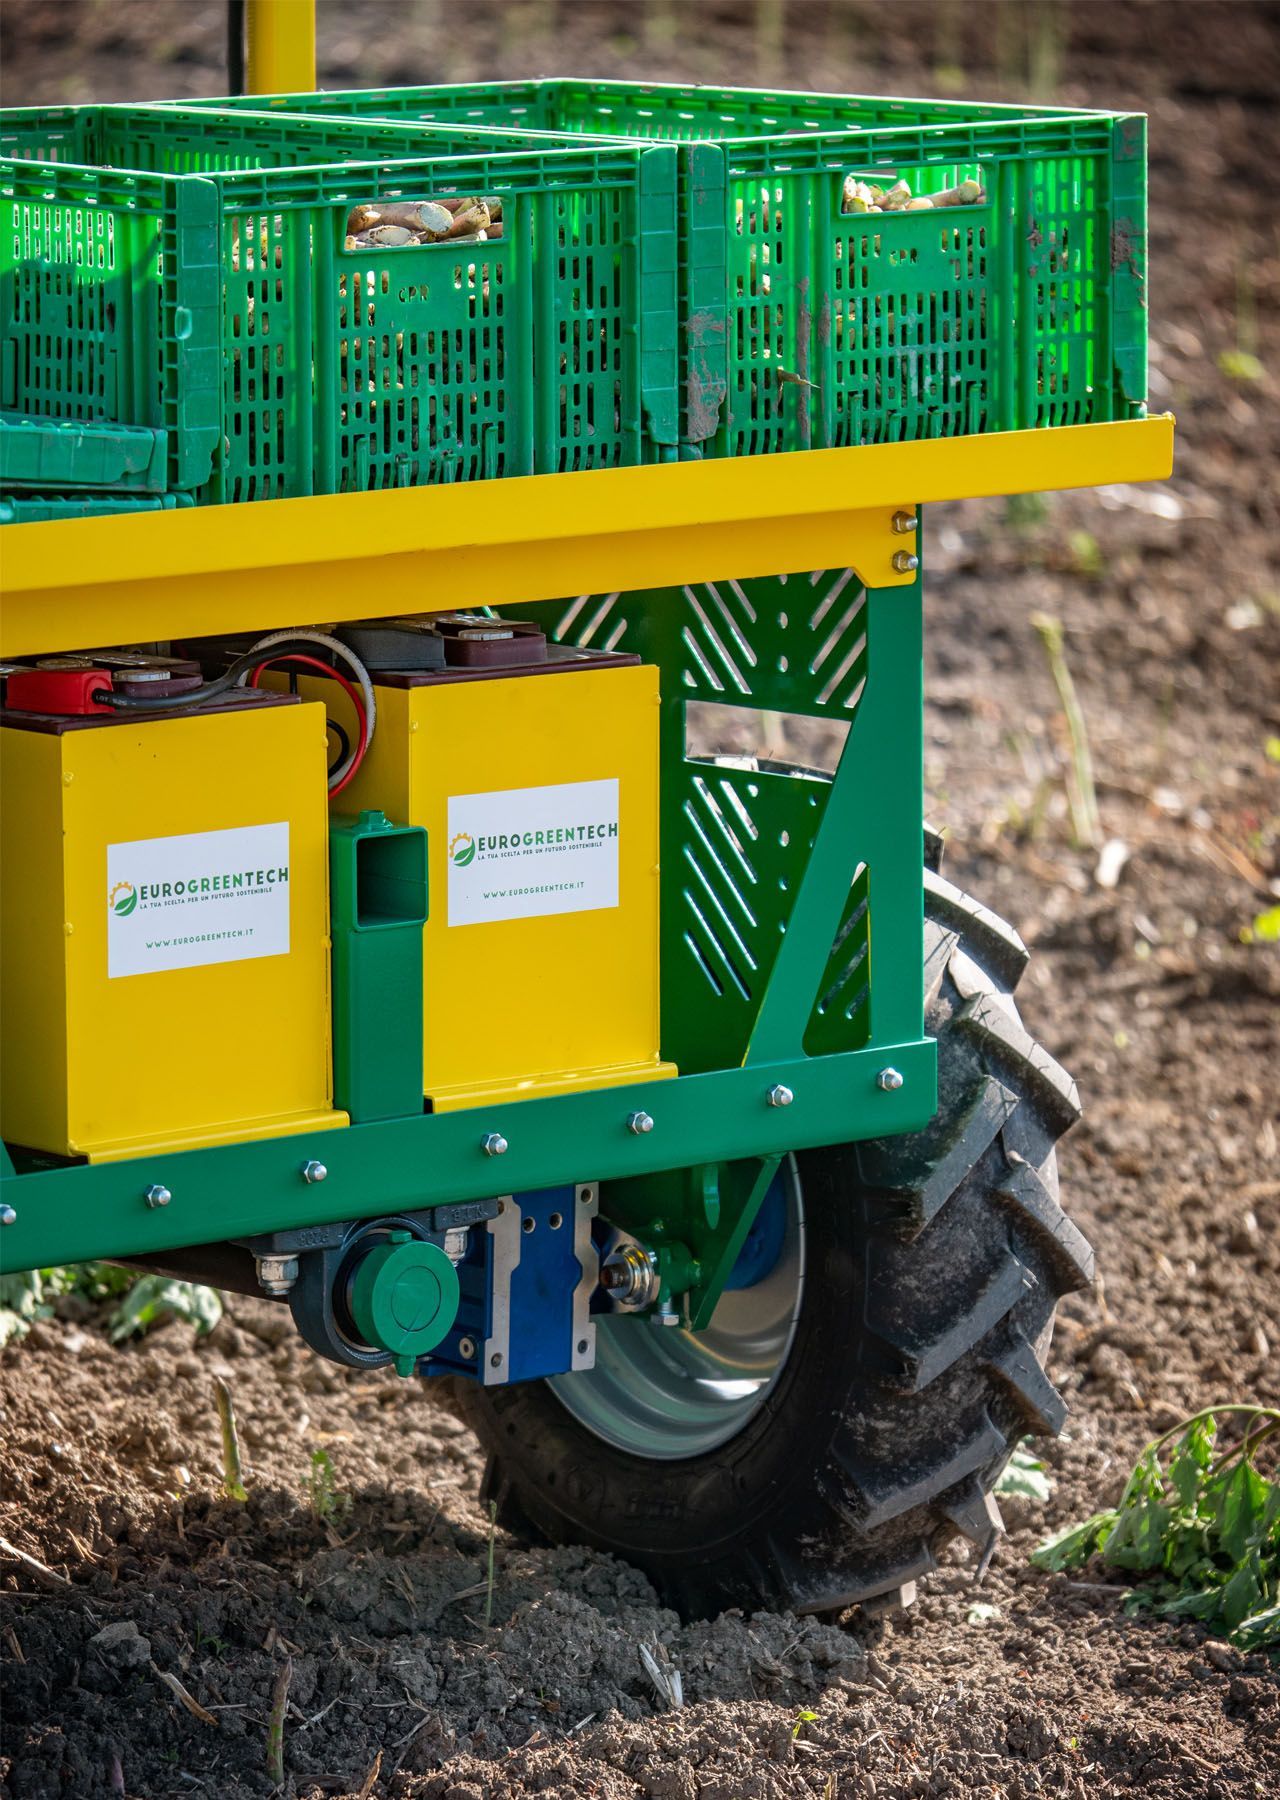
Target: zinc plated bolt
column 905, row 563
column 7, row 1215
column 466, row 1348
column 314, row 1171
column 779, row 1096
column 277, row 1274
column 157, row 1195
column 494, row 1144
column 888, row 1081
column 667, row 1317
column 640, row 1122
column 905, row 521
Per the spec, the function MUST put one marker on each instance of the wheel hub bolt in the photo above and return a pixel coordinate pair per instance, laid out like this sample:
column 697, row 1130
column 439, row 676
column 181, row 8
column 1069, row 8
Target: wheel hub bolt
column 888, row 1081
column 157, row 1195
column 640, row 1122
column 494, row 1144
column 779, row 1096
column 314, row 1171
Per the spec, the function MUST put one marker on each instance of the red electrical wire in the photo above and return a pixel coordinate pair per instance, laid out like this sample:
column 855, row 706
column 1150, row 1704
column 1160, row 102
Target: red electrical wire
column 348, row 687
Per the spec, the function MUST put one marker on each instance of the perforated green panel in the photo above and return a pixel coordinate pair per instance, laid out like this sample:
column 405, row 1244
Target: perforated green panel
column 739, row 834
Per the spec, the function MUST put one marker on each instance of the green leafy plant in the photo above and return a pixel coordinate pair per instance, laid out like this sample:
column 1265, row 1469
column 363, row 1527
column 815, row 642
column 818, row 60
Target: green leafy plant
column 31, row 1295
column 1025, row 1476
column 1204, row 1523
column 153, row 1298
column 328, row 1503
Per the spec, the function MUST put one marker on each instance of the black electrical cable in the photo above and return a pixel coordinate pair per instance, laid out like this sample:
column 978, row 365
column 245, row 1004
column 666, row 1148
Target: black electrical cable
column 344, row 744
column 252, row 659
column 235, row 46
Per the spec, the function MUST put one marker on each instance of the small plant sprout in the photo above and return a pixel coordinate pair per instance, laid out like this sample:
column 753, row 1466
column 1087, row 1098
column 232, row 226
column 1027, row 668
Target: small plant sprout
column 1081, row 794
column 232, row 1468
column 801, row 1719
column 488, row 1598
column 1243, row 363
column 329, row 1505
column 1204, row 1523
column 275, row 1723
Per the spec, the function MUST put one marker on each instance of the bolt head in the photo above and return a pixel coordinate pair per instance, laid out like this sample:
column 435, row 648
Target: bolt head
column 277, row 1274
column 904, row 522
column 466, row 1348
column 905, row 563
column 779, row 1096
column 640, row 1122
column 314, row 1171
column 157, row 1195
column 8, row 1216
column 494, row 1144
column 668, row 1317
column 888, row 1081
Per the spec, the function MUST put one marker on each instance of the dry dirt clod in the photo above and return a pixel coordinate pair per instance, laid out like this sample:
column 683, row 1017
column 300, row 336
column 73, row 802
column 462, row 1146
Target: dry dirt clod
column 121, row 1645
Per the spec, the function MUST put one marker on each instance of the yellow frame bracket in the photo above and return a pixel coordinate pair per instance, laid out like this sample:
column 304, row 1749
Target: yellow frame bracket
column 280, row 46
column 86, row 583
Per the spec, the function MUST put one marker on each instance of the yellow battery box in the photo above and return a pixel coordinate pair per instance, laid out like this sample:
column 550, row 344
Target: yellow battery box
column 164, row 925
column 538, row 788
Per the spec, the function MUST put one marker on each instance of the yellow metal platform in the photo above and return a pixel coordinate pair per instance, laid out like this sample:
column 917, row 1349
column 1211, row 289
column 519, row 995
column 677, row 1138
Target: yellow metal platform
column 140, row 578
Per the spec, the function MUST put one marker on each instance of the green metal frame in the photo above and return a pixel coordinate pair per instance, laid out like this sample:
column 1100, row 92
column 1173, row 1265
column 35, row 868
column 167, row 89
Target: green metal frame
column 792, row 958
column 74, row 1214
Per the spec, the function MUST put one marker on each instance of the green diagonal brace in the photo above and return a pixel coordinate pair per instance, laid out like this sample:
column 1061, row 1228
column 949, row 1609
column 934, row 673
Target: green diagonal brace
column 872, row 816
column 742, row 1187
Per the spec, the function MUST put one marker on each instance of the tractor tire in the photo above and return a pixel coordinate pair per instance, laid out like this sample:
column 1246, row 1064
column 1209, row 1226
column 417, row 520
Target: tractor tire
column 934, row 1263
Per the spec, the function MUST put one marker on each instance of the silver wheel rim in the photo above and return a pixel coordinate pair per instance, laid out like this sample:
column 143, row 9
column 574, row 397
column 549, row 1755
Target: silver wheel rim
column 669, row 1394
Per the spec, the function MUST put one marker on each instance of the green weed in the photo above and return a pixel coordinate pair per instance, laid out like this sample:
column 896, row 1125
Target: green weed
column 1204, row 1524
column 153, row 1298
column 329, row 1504
column 142, row 1300
column 1025, row 1476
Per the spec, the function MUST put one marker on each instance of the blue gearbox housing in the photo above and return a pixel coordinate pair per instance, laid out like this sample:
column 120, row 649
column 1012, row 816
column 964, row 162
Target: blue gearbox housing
column 526, row 1285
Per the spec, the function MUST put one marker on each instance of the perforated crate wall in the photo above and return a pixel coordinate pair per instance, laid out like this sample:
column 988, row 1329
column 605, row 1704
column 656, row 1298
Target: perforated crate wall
column 1028, row 312
column 228, row 309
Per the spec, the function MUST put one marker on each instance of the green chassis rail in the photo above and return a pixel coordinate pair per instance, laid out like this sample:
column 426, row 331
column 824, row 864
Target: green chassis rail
column 792, row 903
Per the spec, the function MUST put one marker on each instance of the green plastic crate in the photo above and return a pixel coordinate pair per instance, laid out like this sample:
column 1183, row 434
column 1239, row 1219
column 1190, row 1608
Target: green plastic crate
column 27, row 509
column 225, row 309
column 198, row 140
column 55, row 454
column 805, row 325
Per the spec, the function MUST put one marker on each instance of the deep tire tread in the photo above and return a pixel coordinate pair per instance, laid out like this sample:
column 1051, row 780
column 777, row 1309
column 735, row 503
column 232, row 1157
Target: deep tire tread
column 957, row 1254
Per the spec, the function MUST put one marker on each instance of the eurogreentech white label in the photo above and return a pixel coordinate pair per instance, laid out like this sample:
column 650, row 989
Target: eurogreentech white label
column 524, row 853
column 201, row 897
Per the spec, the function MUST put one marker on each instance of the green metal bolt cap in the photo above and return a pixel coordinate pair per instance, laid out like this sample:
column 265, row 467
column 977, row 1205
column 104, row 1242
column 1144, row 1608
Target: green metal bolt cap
column 404, row 1297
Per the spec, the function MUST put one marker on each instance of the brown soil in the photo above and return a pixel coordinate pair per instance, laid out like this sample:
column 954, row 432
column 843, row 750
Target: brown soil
column 1171, row 603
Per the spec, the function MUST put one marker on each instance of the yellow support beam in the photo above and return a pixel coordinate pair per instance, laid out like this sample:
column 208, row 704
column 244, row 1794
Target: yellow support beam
column 280, row 46
column 136, row 578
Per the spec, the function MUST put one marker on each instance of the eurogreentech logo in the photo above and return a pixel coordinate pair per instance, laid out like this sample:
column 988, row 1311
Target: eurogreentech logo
column 122, row 899
column 462, row 849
